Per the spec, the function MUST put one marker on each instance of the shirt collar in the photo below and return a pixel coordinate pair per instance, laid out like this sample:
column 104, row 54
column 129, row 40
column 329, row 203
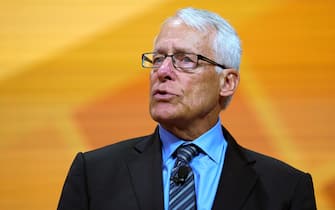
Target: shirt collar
column 211, row 142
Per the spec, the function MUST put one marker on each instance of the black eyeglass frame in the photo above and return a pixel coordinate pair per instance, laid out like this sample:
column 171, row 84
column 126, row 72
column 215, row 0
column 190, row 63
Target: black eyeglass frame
column 199, row 57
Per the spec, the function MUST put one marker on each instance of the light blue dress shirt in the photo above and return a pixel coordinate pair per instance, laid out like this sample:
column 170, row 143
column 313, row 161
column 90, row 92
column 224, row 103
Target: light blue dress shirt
column 207, row 166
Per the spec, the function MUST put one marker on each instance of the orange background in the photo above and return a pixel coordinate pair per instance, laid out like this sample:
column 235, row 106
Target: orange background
column 70, row 80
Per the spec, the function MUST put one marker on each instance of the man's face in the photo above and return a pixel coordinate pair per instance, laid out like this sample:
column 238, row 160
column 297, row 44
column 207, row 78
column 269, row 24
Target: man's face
column 181, row 98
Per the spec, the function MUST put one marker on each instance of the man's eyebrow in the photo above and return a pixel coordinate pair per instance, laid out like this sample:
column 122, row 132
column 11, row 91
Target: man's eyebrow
column 183, row 50
column 160, row 51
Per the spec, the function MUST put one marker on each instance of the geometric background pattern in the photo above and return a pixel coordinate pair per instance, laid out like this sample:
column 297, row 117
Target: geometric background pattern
column 71, row 80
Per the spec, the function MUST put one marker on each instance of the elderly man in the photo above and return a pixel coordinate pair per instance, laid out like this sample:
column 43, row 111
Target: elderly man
column 190, row 161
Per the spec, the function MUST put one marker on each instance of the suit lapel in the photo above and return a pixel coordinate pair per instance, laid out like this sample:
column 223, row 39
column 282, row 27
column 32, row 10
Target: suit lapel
column 145, row 167
column 237, row 178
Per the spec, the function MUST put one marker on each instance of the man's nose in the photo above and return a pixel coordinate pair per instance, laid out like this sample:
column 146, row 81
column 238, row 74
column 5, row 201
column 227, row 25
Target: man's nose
column 166, row 71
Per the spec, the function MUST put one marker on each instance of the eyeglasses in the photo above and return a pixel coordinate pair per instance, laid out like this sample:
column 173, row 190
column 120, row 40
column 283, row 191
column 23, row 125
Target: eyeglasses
column 182, row 61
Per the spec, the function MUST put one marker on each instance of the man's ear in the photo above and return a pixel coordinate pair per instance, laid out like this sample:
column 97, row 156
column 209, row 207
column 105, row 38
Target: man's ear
column 229, row 79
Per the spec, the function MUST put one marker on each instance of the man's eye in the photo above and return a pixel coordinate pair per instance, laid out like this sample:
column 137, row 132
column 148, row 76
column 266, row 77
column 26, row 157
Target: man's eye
column 186, row 59
column 158, row 60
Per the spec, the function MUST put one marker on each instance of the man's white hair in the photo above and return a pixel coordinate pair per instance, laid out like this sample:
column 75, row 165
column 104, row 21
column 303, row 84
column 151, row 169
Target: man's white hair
column 226, row 44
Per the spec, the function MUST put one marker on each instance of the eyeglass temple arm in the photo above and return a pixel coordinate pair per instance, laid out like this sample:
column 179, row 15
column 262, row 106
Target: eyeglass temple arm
column 211, row 61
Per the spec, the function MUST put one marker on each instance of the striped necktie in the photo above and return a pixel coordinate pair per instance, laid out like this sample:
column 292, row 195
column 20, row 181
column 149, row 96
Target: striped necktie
column 182, row 191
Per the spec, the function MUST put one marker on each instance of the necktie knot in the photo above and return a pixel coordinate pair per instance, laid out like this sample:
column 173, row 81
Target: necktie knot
column 186, row 153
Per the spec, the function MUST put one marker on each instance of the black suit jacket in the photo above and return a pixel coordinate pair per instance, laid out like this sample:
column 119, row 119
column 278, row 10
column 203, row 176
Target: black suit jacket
column 128, row 175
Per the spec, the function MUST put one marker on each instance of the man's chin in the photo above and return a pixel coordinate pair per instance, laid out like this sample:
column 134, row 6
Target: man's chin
column 163, row 117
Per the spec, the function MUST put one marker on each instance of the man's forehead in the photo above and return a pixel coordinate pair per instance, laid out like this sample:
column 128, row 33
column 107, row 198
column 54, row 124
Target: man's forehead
column 179, row 45
column 176, row 36
column 177, row 24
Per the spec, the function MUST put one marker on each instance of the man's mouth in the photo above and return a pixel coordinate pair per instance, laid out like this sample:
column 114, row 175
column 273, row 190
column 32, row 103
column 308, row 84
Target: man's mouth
column 163, row 95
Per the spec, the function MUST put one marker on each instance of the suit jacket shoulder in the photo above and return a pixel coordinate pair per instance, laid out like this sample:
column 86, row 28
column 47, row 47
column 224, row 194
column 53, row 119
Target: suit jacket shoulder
column 281, row 180
column 117, row 151
column 267, row 162
column 126, row 175
column 251, row 180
